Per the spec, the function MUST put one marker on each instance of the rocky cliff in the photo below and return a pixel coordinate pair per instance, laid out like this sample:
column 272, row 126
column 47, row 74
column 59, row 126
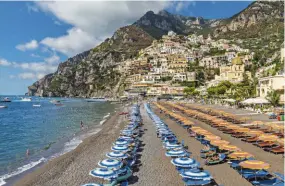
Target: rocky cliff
column 257, row 14
column 162, row 22
column 92, row 73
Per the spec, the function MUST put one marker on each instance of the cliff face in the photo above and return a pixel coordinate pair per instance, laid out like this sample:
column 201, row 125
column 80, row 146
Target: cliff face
column 255, row 14
column 92, row 73
column 162, row 22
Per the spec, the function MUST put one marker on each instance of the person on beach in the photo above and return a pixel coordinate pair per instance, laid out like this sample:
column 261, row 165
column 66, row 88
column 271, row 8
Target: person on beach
column 81, row 125
column 27, row 152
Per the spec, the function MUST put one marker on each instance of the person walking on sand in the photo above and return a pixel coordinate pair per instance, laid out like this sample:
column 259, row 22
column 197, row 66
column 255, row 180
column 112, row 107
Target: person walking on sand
column 81, row 125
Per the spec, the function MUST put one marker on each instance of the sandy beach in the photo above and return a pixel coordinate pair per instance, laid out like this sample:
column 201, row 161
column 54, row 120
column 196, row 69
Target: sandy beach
column 221, row 173
column 276, row 161
column 73, row 167
column 156, row 168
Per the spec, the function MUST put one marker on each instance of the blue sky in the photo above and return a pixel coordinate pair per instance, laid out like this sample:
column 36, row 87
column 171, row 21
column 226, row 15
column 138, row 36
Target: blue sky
column 38, row 36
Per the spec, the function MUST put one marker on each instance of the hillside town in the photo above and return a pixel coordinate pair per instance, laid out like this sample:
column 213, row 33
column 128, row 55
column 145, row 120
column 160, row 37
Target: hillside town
column 174, row 63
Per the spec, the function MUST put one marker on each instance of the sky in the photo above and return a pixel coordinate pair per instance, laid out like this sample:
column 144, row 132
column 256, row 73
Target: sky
column 36, row 36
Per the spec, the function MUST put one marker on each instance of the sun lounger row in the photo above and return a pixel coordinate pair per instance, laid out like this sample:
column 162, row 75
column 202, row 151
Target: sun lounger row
column 249, row 168
column 188, row 168
column 117, row 168
column 270, row 143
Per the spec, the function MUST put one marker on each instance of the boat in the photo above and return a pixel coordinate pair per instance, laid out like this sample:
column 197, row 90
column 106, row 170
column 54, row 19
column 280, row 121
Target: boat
column 26, row 99
column 55, row 101
column 36, row 105
column 6, row 99
column 3, row 106
column 96, row 99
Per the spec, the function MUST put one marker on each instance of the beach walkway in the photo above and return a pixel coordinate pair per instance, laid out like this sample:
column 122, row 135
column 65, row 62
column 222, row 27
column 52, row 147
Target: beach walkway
column 156, row 168
column 276, row 161
column 222, row 173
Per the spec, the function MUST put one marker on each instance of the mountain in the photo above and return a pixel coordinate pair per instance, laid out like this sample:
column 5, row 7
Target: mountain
column 258, row 15
column 92, row 73
column 159, row 24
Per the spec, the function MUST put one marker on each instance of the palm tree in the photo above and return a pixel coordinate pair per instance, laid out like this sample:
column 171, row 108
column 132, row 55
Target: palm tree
column 273, row 97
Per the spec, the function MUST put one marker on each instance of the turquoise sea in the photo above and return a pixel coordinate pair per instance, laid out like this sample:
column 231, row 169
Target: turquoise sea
column 47, row 131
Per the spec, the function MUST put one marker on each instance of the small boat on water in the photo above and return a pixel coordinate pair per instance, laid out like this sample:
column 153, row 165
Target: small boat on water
column 3, row 106
column 55, row 101
column 36, row 105
column 6, row 99
column 96, row 99
column 26, row 99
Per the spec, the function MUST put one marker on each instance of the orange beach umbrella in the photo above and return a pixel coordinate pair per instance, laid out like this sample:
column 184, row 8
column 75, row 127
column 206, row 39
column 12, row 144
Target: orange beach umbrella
column 239, row 155
column 212, row 137
column 254, row 164
column 266, row 137
column 230, row 148
column 219, row 142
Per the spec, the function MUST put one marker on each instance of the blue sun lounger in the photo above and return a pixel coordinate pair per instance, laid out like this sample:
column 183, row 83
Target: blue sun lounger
column 250, row 174
column 190, row 182
column 269, row 182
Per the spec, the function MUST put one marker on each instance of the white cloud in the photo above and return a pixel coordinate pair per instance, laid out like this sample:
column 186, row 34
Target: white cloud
column 27, row 75
column 32, row 70
column 30, row 75
column 93, row 21
column 4, row 62
column 74, row 42
column 33, row 44
column 182, row 5
column 36, row 67
column 54, row 59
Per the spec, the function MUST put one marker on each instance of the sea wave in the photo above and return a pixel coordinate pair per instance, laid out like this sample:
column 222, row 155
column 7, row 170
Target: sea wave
column 72, row 144
column 20, row 170
column 106, row 116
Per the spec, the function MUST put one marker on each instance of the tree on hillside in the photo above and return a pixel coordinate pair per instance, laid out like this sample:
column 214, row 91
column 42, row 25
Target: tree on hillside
column 273, row 97
column 191, row 91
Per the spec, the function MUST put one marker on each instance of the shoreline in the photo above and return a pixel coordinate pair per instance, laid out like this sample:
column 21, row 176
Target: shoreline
column 62, row 148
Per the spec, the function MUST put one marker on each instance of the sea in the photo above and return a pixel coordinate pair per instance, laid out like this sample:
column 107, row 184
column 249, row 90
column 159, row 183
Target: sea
column 46, row 131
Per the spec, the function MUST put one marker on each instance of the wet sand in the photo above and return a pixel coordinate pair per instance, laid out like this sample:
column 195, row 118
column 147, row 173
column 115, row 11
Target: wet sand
column 222, row 173
column 276, row 161
column 156, row 168
column 73, row 167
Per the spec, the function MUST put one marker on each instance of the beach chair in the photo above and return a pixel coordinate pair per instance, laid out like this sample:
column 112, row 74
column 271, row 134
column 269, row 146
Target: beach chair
column 279, row 150
column 125, row 183
column 265, row 144
column 222, row 158
column 250, row 140
column 250, row 174
column 190, row 182
column 268, row 182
